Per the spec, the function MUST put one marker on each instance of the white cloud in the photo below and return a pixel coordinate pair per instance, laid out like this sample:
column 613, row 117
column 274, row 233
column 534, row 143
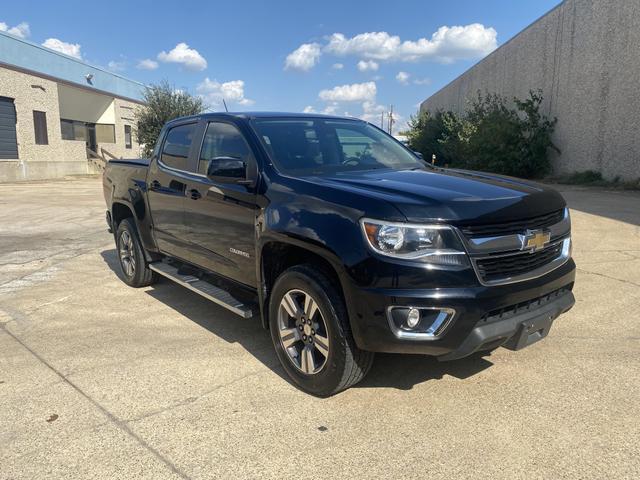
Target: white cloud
column 71, row 49
column 117, row 66
column 309, row 109
column 422, row 81
column 331, row 109
column 403, row 78
column 147, row 64
column 371, row 112
column 368, row 66
column 213, row 92
column 182, row 54
column 356, row 92
column 303, row 58
column 446, row 44
column 337, row 66
column 21, row 30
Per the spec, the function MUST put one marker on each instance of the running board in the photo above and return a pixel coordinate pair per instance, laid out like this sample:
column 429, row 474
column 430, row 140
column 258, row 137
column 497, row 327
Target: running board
column 208, row 291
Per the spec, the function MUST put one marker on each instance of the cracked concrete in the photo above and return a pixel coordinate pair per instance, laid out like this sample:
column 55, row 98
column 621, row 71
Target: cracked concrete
column 98, row 380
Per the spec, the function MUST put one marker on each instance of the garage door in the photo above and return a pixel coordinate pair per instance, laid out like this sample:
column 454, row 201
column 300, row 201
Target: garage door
column 8, row 139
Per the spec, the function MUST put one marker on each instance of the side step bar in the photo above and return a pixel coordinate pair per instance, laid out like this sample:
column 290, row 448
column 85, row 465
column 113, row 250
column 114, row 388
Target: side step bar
column 208, row 291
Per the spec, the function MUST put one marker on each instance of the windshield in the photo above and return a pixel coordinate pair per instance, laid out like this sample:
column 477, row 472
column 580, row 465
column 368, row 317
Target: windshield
column 319, row 146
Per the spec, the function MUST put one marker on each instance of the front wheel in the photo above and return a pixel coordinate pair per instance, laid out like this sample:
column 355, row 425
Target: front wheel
column 135, row 270
column 310, row 331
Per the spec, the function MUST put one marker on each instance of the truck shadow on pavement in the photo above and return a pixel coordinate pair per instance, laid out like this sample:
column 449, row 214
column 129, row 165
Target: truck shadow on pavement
column 389, row 370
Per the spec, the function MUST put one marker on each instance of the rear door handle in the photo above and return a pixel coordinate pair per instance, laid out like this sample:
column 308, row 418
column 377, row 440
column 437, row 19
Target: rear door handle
column 155, row 185
column 194, row 194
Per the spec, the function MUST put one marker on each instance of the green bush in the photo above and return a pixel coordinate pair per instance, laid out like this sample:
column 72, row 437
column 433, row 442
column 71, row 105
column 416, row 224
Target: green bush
column 162, row 103
column 492, row 135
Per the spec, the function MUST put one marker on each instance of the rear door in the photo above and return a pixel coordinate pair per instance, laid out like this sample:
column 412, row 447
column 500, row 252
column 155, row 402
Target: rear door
column 8, row 139
column 167, row 184
column 220, row 217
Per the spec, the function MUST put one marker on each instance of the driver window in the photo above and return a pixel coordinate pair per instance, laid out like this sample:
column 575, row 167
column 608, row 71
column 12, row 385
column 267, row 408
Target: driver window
column 222, row 140
column 360, row 149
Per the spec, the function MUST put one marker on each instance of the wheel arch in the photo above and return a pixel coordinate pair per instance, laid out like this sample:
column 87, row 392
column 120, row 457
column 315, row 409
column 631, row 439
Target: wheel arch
column 277, row 255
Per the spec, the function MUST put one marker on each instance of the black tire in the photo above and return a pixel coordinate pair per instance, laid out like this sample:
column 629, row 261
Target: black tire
column 136, row 273
column 345, row 364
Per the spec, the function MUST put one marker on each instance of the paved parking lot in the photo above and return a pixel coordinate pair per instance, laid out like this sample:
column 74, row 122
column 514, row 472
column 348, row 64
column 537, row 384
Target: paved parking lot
column 98, row 380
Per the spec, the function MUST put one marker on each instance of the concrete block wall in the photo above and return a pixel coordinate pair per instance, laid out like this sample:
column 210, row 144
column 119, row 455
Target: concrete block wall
column 585, row 56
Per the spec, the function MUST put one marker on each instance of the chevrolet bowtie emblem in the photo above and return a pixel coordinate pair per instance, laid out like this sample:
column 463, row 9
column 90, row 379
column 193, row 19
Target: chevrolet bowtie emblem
column 534, row 240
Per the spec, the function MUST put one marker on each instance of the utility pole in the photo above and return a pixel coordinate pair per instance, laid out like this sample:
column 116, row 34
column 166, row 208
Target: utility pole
column 391, row 120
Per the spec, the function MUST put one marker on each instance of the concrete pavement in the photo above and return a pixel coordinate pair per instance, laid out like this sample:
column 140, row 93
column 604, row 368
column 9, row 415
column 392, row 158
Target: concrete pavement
column 99, row 380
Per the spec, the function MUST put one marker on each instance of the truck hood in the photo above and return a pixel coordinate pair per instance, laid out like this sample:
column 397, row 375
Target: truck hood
column 457, row 196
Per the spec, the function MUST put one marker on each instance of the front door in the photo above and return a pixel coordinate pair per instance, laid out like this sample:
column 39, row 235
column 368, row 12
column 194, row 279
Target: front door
column 220, row 217
column 167, row 183
column 92, row 144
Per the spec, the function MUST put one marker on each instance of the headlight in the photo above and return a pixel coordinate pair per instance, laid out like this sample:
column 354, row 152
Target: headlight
column 430, row 244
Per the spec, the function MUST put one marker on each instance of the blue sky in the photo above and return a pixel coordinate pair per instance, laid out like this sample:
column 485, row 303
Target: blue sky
column 342, row 57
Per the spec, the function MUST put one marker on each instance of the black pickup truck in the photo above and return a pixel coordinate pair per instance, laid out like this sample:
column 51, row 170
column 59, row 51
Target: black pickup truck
column 341, row 240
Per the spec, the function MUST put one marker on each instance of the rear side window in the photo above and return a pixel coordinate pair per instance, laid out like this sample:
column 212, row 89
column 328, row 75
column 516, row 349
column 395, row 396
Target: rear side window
column 222, row 140
column 175, row 152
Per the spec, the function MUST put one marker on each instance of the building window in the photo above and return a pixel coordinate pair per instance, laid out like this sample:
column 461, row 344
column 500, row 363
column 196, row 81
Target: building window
column 40, row 127
column 73, row 130
column 127, row 136
column 105, row 133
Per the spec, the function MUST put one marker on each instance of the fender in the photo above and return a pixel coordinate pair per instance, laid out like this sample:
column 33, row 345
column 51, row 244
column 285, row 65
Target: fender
column 312, row 247
column 132, row 194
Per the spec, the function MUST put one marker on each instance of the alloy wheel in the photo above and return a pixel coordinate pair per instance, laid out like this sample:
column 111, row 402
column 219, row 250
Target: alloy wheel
column 125, row 248
column 303, row 331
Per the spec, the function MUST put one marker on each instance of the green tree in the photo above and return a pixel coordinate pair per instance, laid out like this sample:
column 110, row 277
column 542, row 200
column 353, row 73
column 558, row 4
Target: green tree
column 494, row 135
column 162, row 103
column 424, row 134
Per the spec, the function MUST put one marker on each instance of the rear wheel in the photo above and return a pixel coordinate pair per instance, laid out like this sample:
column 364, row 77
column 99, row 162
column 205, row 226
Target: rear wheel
column 134, row 267
column 310, row 331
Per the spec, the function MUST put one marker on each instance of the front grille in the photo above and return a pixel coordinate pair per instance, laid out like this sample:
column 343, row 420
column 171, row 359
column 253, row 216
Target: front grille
column 497, row 268
column 510, row 228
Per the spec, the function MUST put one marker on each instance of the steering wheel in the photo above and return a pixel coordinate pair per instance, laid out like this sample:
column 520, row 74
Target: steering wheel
column 351, row 161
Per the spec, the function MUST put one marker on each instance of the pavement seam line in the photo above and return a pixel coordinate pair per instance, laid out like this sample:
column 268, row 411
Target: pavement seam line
column 190, row 400
column 608, row 276
column 113, row 419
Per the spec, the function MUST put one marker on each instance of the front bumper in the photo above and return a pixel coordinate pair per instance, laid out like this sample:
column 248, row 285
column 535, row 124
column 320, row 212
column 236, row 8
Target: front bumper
column 514, row 315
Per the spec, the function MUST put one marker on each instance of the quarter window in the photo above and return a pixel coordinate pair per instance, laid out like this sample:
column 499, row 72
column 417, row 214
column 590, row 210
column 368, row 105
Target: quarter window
column 175, row 152
column 222, row 140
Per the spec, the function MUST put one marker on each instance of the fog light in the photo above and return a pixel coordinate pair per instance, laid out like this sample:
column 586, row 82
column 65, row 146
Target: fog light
column 413, row 318
column 419, row 323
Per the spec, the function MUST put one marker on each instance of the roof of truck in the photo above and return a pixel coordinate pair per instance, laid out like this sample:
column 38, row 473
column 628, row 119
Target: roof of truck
column 268, row 115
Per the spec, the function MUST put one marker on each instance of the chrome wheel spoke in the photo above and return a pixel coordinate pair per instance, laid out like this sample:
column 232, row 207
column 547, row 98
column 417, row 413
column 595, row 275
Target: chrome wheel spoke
column 289, row 337
column 290, row 305
column 307, row 362
column 310, row 307
column 322, row 344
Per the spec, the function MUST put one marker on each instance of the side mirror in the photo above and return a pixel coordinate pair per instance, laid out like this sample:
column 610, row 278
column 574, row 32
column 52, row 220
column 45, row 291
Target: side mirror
column 419, row 155
column 227, row 169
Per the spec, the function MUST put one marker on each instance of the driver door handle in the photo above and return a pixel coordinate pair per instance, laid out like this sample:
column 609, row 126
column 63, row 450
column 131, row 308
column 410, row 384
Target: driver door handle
column 194, row 194
column 155, row 185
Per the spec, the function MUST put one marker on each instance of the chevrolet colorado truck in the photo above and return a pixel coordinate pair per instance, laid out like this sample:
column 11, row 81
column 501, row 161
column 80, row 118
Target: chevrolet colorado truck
column 341, row 240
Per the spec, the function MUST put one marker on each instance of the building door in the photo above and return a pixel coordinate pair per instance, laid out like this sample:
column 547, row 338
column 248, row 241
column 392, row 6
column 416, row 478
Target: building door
column 92, row 144
column 8, row 138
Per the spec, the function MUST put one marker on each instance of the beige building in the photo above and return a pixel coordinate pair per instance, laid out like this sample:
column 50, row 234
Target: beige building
column 60, row 116
column 584, row 55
